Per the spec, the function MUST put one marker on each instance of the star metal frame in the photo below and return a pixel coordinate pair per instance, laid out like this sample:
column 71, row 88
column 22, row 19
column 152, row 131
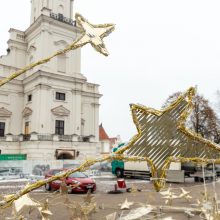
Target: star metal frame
column 163, row 138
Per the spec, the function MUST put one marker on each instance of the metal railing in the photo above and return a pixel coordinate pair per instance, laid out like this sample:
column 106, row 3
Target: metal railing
column 26, row 137
column 15, row 138
column 2, row 138
column 83, row 138
column 65, row 138
column 45, row 137
column 60, row 17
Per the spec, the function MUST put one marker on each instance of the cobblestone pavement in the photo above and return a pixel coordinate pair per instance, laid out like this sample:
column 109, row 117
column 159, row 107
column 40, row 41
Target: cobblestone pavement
column 109, row 203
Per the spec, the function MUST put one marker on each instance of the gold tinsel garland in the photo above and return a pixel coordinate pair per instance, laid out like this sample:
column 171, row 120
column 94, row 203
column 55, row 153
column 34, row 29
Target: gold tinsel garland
column 90, row 35
column 212, row 150
column 158, row 183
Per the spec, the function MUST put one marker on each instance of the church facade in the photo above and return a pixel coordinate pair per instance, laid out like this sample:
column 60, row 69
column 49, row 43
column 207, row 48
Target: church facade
column 52, row 111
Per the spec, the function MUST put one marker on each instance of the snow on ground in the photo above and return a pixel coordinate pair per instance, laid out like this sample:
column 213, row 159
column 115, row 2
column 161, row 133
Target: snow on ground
column 13, row 180
column 105, row 182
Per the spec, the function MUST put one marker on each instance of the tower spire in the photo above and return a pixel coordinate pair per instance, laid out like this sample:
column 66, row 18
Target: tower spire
column 64, row 7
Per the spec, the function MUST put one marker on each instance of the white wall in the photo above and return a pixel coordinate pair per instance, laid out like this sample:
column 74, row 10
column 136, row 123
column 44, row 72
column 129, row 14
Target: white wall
column 41, row 39
column 53, row 5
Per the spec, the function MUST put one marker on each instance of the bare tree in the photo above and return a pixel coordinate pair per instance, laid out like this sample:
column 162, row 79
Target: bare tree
column 203, row 119
column 218, row 101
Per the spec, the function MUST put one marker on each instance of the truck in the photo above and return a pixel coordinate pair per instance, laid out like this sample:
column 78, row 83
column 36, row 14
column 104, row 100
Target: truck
column 131, row 169
column 177, row 171
column 142, row 170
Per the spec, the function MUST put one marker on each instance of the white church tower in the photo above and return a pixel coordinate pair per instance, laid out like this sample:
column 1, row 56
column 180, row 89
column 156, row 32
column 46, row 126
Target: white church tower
column 50, row 112
column 64, row 7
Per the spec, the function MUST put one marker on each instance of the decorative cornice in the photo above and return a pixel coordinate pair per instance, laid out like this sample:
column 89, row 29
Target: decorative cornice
column 5, row 113
column 31, row 49
column 61, row 42
column 53, row 75
column 60, row 111
column 44, row 18
column 95, row 104
column 16, row 30
column 86, row 93
column 12, row 42
column 27, row 112
column 43, row 86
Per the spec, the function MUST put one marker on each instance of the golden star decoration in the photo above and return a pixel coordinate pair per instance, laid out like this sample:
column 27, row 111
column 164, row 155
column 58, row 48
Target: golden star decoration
column 162, row 137
column 88, row 210
column 169, row 196
column 65, row 189
column 166, row 192
column 20, row 205
column 90, row 33
column 112, row 216
column 189, row 213
column 94, row 34
column 134, row 189
column 81, row 211
column 89, row 198
column 44, row 211
column 138, row 213
column 24, row 201
column 125, row 205
column 14, row 215
column 209, row 209
column 185, row 194
column 74, row 209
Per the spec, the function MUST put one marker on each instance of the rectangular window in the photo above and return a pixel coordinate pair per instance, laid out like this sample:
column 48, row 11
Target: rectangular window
column 29, row 98
column 2, row 129
column 27, row 128
column 61, row 63
column 60, row 96
column 59, row 127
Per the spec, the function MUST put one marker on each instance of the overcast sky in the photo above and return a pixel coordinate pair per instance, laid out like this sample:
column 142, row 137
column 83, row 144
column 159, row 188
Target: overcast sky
column 159, row 47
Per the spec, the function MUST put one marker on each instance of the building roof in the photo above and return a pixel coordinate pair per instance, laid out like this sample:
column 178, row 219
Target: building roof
column 102, row 133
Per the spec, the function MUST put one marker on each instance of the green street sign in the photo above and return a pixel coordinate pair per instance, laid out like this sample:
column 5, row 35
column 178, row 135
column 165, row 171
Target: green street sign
column 13, row 157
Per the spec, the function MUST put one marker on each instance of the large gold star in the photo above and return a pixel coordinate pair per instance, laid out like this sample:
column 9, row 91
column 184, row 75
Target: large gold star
column 24, row 201
column 94, row 34
column 162, row 136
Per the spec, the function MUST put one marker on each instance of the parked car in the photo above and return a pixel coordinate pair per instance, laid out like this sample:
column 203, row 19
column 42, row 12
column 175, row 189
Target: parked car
column 52, row 172
column 216, row 169
column 189, row 168
column 84, row 182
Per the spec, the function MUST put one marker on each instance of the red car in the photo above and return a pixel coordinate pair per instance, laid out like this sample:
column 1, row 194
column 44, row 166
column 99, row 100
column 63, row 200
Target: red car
column 84, row 182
